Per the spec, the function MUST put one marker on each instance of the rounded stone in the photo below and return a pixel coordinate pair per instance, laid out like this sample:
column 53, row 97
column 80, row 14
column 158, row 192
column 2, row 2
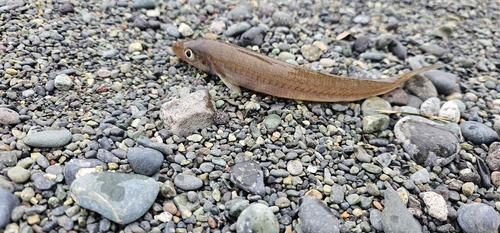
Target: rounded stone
column 187, row 182
column 18, row 174
column 257, row 218
column 145, row 161
column 478, row 218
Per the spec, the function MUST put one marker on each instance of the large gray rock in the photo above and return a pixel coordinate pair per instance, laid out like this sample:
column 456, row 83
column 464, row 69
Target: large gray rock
column 7, row 203
column 316, row 217
column 395, row 217
column 120, row 197
column 429, row 143
column 478, row 218
column 189, row 113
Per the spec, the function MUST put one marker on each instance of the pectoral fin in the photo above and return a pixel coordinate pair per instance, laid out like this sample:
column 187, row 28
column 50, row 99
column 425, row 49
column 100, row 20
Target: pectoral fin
column 231, row 85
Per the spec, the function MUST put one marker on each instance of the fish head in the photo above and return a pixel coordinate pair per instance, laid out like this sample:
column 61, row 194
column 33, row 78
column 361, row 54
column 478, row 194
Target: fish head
column 193, row 52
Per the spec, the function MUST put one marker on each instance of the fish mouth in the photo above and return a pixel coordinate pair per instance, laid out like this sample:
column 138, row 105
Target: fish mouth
column 178, row 48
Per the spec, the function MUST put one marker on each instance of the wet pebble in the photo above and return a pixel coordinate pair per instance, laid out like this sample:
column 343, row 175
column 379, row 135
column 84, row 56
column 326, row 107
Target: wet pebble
column 120, row 202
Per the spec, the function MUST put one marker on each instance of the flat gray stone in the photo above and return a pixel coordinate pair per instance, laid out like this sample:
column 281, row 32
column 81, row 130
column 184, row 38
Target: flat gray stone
column 48, row 138
column 9, row 117
column 187, row 182
column 120, row 197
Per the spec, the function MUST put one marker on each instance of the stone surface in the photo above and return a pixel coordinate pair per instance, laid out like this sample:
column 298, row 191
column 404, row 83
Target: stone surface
column 445, row 83
column 316, row 216
column 478, row 218
column 426, row 141
column 257, row 218
column 122, row 198
column 189, row 113
column 248, row 176
column 144, row 161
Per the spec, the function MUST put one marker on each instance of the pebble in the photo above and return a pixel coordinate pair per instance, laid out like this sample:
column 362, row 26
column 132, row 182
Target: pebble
column 311, row 52
column 187, row 182
column 478, row 133
column 396, row 48
column 253, row 36
column 74, row 165
column 120, row 202
column 493, row 158
column 426, row 141
column 445, row 83
column 63, row 82
column 433, row 49
column 395, row 216
column 450, row 111
column 8, row 202
column 18, row 174
column 237, row 29
column 421, row 176
column 9, row 117
column 48, row 138
column 294, row 167
column 316, row 217
column 361, row 44
column 375, row 123
column 430, row 107
column 372, row 104
column 272, row 121
column 421, row 87
column 436, row 205
column 257, row 218
column 40, row 181
column 145, row 161
column 478, row 217
column 281, row 18
column 248, row 176
column 188, row 114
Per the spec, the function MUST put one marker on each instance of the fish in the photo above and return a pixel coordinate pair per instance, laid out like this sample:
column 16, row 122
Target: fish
column 240, row 67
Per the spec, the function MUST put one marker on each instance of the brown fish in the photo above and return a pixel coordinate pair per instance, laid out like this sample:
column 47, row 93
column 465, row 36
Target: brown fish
column 240, row 67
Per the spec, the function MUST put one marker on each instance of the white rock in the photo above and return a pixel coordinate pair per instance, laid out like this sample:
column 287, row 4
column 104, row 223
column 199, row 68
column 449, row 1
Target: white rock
column 436, row 205
column 189, row 113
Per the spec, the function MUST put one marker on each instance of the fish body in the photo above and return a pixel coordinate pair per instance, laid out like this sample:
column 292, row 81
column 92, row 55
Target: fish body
column 239, row 67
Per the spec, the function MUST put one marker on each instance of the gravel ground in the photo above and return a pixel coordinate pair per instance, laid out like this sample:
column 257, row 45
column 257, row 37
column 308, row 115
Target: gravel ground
column 86, row 145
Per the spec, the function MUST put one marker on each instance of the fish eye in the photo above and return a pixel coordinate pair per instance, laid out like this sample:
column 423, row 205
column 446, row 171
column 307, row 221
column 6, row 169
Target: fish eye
column 189, row 54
